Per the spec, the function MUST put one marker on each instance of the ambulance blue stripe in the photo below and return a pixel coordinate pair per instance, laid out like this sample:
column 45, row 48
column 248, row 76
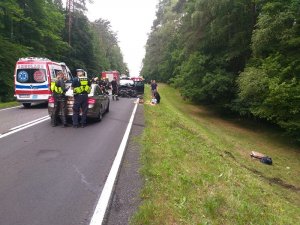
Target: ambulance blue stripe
column 30, row 87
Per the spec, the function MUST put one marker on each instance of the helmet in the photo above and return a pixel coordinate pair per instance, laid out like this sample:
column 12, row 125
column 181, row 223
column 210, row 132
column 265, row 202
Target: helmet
column 80, row 72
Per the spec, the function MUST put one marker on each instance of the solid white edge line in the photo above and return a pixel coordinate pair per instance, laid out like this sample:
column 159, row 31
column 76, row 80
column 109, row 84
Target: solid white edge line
column 24, row 124
column 22, row 128
column 10, row 108
column 99, row 213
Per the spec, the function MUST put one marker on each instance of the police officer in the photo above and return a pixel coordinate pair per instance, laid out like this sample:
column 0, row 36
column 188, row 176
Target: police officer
column 114, row 87
column 59, row 90
column 81, row 88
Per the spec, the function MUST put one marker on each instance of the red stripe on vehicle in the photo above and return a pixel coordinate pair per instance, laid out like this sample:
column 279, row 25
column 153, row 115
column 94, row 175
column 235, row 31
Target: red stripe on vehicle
column 41, row 92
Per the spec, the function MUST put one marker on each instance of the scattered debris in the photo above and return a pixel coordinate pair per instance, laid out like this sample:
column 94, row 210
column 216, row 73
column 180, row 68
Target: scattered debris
column 263, row 158
column 257, row 155
column 140, row 99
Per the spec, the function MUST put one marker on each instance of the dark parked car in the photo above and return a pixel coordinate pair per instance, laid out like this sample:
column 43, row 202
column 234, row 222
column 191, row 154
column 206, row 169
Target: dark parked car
column 139, row 87
column 98, row 103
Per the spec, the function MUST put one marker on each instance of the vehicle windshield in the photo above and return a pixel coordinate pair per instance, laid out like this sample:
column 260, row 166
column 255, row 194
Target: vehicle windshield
column 31, row 75
column 68, row 75
column 139, row 83
column 126, row 82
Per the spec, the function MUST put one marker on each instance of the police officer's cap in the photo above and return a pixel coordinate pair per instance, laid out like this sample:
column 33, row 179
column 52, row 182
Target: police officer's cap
column 80, row 72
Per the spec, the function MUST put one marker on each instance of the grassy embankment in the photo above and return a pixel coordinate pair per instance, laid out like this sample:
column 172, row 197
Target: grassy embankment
column 8, row 104
column 197, row 169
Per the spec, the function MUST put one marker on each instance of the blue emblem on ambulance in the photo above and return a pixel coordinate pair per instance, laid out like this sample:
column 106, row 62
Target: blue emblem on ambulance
column 23, row 76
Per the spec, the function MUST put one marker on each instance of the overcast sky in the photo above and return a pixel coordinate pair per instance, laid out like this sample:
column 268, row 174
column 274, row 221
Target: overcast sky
column 132, row 20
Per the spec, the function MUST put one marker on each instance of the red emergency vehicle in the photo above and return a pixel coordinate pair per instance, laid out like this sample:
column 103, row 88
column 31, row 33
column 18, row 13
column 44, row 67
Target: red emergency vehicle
column 33, row 79
column 110, row 75
column 136, row 78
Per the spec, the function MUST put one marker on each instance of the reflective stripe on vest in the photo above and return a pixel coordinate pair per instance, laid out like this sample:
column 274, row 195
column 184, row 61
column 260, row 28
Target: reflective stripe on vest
column 55, row 89
column 84, row 86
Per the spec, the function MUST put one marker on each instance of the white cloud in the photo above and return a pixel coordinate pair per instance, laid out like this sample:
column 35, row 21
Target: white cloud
column 132, row 20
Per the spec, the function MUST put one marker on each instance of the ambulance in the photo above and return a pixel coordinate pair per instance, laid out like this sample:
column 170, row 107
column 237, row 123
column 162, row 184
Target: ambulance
column 33, row 79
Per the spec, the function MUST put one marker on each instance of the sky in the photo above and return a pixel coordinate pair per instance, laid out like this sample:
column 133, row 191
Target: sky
column 132, row 21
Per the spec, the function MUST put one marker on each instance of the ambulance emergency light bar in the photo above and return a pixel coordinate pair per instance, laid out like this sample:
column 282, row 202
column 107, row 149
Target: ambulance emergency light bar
column 34, row 59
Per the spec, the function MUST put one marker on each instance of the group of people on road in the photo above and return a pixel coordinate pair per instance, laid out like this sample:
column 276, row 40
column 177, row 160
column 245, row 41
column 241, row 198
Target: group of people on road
column 81, row 88
column 103, row 83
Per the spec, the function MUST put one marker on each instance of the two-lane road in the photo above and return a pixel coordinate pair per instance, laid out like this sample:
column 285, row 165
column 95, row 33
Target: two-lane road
column 12, row 117
column 54, row 175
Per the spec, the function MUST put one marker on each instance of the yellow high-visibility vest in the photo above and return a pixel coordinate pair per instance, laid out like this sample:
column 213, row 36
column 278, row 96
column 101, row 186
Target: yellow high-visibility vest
column 55, row 89
column 84, row 86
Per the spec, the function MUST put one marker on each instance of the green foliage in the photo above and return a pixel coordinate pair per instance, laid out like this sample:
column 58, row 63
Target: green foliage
column 241, row 55
column 8, row 57
column 37, row 28
column 159, row 63
column 277, row 28
column 271, row 89
column 198, row 169
column 196, row 83
column 272, row 99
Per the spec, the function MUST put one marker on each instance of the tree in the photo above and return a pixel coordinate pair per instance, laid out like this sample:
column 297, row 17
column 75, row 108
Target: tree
column 275, row 67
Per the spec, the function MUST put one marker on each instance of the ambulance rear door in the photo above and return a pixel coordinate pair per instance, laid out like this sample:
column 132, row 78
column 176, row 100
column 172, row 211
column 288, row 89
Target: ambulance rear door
column 31, row 82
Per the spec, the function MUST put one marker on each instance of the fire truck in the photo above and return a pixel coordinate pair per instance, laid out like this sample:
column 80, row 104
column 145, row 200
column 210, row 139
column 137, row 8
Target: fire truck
column 110, row 75
column 33, row 79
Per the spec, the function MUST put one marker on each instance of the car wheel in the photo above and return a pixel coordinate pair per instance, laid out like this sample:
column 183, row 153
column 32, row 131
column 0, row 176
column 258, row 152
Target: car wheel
column 27, row 105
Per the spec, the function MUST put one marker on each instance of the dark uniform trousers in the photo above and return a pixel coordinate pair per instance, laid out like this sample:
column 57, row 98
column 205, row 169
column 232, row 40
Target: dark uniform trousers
column 60, row 107
column 80, row 101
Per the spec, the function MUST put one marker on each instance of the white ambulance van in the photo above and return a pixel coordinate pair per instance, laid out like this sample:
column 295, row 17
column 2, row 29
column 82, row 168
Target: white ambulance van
column 33, row 79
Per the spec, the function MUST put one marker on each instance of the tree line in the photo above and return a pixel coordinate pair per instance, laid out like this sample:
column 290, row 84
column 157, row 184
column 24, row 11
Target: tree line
column 39, row 28
column 242, row 56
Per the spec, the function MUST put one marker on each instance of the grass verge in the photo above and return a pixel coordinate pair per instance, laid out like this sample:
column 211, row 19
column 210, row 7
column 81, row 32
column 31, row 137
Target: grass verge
column 8, row 104
column 197, row 169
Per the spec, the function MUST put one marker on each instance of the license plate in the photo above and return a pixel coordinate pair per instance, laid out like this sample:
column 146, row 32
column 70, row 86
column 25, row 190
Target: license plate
column 23, row 96
column 34, row 96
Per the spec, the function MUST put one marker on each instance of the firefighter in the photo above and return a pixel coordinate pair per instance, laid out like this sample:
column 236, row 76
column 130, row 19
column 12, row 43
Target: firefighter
column 59, row 90
column 114, row 87
column 81, row 88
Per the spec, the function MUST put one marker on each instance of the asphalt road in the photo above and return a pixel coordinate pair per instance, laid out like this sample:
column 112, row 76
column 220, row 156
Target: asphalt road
column 13, row 117
column 54, row 175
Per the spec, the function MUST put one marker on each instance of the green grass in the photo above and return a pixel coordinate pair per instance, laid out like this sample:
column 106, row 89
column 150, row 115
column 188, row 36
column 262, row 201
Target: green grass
column 197, row 169
column 8, row 104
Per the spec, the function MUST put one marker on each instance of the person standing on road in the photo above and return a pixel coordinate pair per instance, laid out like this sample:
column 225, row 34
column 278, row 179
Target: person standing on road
column 59, row 90
column 153, row 88
column 81, row 88
column 114, row 87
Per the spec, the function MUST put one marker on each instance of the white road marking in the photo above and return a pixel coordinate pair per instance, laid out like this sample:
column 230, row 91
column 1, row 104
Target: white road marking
column 10, row 108
column 99, row 213
column 24, row 126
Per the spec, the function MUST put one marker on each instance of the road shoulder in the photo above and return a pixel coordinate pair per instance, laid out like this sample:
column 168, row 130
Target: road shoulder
column 126, row 200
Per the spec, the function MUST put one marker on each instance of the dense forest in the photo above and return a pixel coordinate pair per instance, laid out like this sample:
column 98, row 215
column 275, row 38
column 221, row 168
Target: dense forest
column 241, row 56
column 39, row 28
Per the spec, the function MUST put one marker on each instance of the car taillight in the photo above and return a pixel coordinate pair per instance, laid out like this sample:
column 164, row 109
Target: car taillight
column 51, row 99
column 91, row 101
